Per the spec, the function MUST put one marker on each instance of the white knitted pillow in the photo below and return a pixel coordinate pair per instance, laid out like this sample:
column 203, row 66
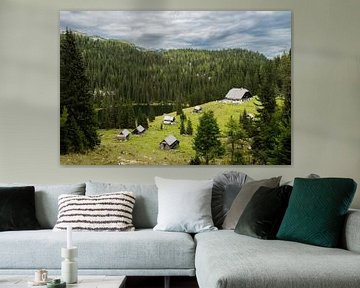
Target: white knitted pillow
column 105, row 212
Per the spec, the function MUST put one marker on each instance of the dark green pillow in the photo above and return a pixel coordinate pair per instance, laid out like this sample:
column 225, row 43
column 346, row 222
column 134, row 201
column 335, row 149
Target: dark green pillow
column 17, row 208
column 316, row 211
column 264, row 212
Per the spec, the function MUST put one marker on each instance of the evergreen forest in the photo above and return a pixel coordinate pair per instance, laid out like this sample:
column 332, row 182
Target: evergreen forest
column 122, row 85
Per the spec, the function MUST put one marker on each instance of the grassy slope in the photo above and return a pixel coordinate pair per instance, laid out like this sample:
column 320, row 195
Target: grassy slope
column 145, row 149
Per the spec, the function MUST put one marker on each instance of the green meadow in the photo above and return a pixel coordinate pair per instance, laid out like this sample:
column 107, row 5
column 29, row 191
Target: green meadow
column 144, row 149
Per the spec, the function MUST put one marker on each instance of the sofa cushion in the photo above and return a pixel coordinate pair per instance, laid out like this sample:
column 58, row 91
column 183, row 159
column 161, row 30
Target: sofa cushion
column 184, row 205
column 225, row 259
column 46, row 200
column 243, row 198
column 137, row 250
column 263, row 215
column 350, row 239
column 105, row 212
column 225, row 189
column 146, row 205
column 17, row 208
column 317, row 209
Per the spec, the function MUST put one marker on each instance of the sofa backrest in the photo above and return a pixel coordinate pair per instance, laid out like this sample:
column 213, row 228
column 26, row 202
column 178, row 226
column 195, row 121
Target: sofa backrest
column 46, row 200
column 146, row 203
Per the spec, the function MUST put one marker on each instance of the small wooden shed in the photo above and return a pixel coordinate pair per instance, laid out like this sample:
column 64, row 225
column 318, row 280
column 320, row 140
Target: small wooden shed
column 197, row 109
column 123, row 135
column 170, row 142
column 139, row 130
column 169, row 120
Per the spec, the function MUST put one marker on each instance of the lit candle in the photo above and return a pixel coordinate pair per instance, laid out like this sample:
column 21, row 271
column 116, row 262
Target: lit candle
column 69, row 239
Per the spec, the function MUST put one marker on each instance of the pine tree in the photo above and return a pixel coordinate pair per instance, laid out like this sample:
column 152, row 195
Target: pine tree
column 265, row 128
column 207, row 142
column 235, row 135
column 122, row 117
column 189, row 128
column 182, row 127
column 151, row 113
column 245, row 122
column 282, row 153
column 142, row 120
column 182, row 116
column 285, row 74
column 130, row 115
column 79, row 132
column 179, row 110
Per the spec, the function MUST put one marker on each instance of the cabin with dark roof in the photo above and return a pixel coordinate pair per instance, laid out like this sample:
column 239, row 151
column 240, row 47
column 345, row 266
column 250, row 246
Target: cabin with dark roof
column 139, row 130
column 238, row 94
column 123, row 135
column 170, row 142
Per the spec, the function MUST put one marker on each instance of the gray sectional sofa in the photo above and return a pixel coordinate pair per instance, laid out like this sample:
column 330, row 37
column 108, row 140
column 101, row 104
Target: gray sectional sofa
column 219, row 259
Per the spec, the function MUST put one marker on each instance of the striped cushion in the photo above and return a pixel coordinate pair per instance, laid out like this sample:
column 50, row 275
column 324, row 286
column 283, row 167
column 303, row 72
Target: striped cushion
column 105, row 212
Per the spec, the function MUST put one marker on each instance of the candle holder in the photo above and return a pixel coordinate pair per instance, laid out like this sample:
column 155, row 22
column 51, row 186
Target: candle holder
column 68, row 265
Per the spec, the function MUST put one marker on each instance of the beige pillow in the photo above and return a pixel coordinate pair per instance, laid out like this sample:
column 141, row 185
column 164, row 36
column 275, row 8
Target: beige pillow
column 243, row 198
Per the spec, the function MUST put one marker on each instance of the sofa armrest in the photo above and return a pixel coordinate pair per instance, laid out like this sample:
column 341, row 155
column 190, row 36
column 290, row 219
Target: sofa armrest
column 351, row 234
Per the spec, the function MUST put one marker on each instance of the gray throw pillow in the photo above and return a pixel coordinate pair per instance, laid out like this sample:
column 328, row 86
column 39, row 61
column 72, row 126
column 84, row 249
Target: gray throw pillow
column 184, row 205
column 226, row 187
column 242, row 199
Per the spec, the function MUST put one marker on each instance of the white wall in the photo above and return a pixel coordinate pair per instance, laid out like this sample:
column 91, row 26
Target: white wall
column 326, row 91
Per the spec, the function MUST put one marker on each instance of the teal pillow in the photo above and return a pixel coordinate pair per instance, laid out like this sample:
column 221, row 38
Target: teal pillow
column 316, row 211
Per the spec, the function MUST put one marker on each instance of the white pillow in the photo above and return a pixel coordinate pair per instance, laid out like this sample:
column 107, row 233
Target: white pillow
column 184, row 205
column 104, row 212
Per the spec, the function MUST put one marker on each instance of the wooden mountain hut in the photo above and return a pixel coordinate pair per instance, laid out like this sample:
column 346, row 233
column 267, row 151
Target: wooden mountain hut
column 169, row 120
column 197, row 109
column 123, row 135
column 238, row 94
column 139, row 130
column 170, row 142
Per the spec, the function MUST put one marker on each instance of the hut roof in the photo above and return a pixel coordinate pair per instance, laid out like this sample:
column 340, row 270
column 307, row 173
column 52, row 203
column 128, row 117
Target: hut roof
column 170, row 140
column 140, row 129
column 237, row 94
column 197, row 107
column 125, row 132
column 169, row 118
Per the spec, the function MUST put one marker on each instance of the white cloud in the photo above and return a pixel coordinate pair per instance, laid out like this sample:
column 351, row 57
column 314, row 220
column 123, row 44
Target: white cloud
column 268, row 32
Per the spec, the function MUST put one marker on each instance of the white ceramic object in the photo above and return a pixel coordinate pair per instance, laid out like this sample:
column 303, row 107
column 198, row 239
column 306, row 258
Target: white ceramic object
column 41, row 275
column 69, row 270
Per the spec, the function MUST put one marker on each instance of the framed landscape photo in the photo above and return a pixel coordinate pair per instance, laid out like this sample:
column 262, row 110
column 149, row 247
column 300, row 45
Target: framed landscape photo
column 175, row 88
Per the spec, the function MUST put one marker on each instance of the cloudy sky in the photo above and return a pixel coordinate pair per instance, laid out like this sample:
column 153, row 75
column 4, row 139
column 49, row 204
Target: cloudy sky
column 268, row 32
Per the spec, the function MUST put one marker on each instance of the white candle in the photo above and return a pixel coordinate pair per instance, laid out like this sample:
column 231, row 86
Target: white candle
column 69, row 239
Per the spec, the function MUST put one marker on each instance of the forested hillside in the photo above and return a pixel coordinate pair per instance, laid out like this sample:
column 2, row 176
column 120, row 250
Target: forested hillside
column 129, row 85
column 145, row 76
